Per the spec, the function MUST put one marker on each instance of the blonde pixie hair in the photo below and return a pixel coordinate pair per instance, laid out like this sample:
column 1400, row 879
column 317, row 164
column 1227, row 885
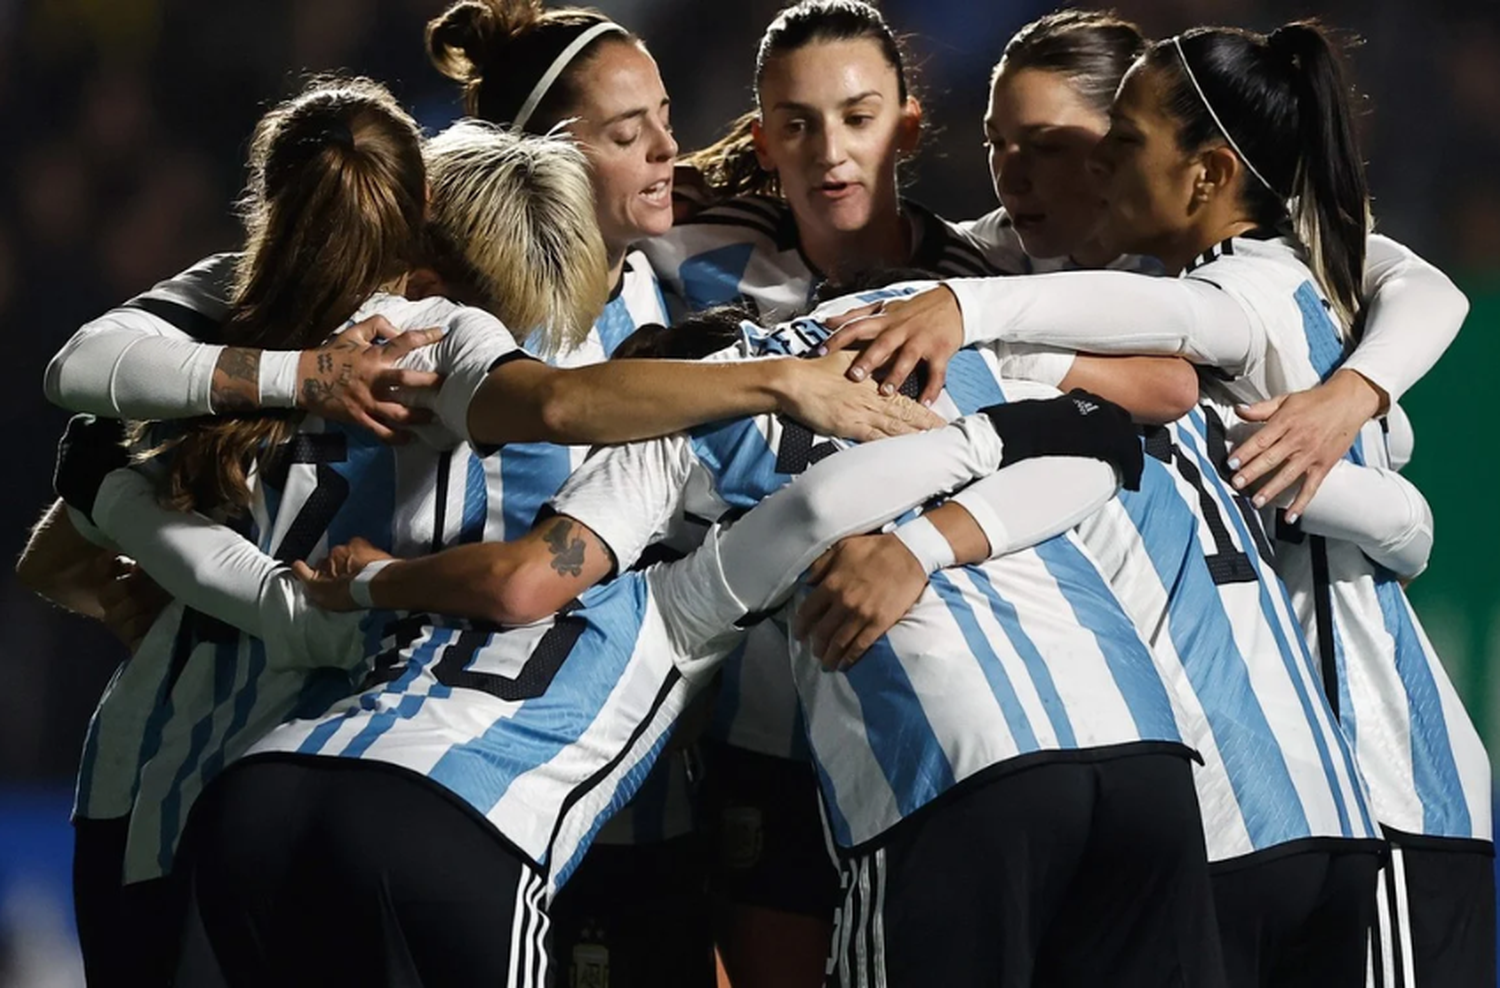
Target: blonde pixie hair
column 511, row 223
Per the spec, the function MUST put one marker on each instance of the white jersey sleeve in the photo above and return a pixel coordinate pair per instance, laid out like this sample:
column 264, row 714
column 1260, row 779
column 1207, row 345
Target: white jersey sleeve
column 148, row 359
column 211, row 568
column 629, row 495
column 852, row 491
column 474, row 343
column 1112, row 312
column 1412, row 314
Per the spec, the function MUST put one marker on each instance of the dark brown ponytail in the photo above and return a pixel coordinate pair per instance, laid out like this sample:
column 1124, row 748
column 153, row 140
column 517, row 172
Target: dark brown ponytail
column 333, row 211
column 1285, row 103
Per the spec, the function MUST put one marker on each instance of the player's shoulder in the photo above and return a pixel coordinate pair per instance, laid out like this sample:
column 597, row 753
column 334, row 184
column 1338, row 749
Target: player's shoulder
column 424, row 313
column 995, row 237
column 195, row 300
column 1258, row 259
column 946, row 248
column 762, row 221
column 641, row 290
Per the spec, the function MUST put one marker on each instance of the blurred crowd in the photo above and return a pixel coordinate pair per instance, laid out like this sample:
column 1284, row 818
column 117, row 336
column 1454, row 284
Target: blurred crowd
column 126, row 123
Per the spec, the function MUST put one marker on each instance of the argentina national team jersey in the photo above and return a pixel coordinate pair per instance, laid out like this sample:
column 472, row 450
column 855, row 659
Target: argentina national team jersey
column 544, row 749
column 131, row 708
column 1189, row 561
column 220, row 692
column 756, row 708
column 532, row 472
column 522, row 476
column 1426, row 767
column 1058, row 663
column 746, row 250
column 994, row 234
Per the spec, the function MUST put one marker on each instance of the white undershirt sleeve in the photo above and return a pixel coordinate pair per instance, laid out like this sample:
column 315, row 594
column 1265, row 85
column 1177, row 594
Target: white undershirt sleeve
column 1036, row 499
column 211, row 568
column 132, row 362
column 1401, row 440
column 745, row 568
column 1378, row 510
column 856, row 490
column 1112, row 312
column 1413, row 312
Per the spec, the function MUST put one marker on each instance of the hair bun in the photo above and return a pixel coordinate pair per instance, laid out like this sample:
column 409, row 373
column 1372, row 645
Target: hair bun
column 463, row 39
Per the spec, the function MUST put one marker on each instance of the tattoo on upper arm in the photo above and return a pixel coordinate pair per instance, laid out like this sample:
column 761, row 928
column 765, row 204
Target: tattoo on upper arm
column 236, row 381
column 566, row 549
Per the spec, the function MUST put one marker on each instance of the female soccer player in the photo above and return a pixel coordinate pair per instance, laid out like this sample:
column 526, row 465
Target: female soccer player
column 544, row 750
column 809, row 192
column 1188, row 102
column 212, row 717
column 639, row 895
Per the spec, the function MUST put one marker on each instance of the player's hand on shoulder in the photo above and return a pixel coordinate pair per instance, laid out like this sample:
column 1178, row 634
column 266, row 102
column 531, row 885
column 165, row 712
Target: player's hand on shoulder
column 355, row 378
column 1304, row 435
column 826, row 401
column 860, row 588
column 898, row 335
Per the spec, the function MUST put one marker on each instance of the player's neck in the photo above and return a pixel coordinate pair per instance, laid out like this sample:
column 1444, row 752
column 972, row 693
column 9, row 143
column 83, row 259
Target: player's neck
column 884, row 242
column 615, row 255
column 1093, row 254
column 1213, row 224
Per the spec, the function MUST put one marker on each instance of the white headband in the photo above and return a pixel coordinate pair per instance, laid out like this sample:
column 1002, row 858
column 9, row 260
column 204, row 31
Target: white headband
column 558, row 65
column 1177, row 43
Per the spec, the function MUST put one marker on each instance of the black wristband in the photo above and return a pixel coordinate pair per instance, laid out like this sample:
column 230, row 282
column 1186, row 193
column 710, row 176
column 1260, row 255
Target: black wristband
column 1078, row 423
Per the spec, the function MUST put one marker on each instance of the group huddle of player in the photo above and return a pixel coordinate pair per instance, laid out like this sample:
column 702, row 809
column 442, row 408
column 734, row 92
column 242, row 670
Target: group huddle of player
column 550, row 559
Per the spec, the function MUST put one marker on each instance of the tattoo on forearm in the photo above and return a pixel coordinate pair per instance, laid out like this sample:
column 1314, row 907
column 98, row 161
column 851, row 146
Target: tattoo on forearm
column 236, row 381
column 566, row 549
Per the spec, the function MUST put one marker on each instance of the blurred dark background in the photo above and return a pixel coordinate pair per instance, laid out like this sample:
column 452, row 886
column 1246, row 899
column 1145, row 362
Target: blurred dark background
column 125, row 126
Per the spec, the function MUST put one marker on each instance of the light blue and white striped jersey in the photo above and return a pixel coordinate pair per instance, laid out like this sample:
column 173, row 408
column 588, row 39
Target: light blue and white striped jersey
column 995, row 667
column 1426, row 767
column 530, row 473
column 746, row 250
column 109, row 771
column 756, row 708
column 1191, row 564
column 546, row 750
column 1054, row 622
column 334, row 483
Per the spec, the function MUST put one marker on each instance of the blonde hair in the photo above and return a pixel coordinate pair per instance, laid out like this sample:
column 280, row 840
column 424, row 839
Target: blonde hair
column 511, row 223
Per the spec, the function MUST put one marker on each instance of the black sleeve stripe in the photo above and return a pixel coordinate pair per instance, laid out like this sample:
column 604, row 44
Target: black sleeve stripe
column 762, row 229
column 516, row 354
column 204, row 329
column 768, row 209
column 963, row 264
